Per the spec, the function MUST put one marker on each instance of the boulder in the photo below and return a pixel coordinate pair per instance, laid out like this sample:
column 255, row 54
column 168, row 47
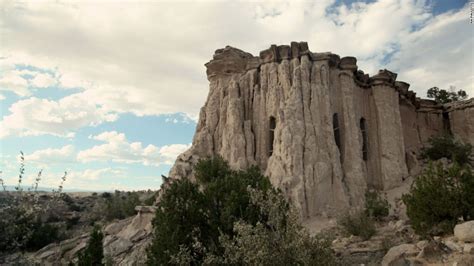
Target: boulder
column 465, row 231
column 432, row 251
column 114, row 228
column 468, row 249
column 117, row 247
column 453, row 246
column 398, row 255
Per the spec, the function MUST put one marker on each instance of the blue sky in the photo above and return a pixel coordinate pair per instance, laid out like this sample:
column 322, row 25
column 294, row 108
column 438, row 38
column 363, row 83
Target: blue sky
column 110, row 92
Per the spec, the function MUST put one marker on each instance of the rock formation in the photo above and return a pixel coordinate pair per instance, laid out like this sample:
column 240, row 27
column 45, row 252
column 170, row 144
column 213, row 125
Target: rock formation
column 324, row 132
column 125, row 242
column 321, row 129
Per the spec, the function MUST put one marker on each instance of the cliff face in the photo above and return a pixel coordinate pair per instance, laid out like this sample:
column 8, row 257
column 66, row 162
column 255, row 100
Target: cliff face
column 322, row 130
column 461, row 120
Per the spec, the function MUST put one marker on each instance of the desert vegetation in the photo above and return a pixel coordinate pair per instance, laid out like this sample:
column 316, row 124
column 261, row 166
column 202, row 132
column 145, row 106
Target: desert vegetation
column 24, row 219
column 443, row 194
column 363, row 222
column 93, row 254
column 228, row 216
column 32, row 219
column 446, row 146
column 231, row 217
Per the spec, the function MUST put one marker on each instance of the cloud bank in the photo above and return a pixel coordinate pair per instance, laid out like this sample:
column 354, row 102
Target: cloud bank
column 118, row 149
column 147, row 58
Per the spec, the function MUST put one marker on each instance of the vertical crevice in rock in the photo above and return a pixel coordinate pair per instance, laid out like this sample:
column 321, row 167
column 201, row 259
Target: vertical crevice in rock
column 447, row 123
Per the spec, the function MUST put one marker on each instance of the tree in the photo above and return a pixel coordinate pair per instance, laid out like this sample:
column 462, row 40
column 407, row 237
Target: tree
column 439, row 197
column 279, row 239
column 444, row 96
column 181, row 219
column 195, row 221
column 192, row 215
column 94, row 252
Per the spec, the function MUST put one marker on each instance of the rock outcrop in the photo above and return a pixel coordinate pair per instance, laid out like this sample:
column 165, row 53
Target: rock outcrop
column 465, row 231
column 125, row 242
column 461, row 120
column 321, row 129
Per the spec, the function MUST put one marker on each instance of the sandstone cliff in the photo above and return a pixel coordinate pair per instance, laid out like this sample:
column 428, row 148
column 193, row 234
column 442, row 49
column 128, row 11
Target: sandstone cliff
column 321, row 129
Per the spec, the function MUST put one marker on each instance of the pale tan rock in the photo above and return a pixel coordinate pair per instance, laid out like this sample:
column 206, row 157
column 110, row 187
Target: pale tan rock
column 302, row 91
column 468, row 249
column 399, row 253
column 461, row 118
column 125, row 242
column 453, row 246
column 114, row 228
column 421, row 244
column 465, row 231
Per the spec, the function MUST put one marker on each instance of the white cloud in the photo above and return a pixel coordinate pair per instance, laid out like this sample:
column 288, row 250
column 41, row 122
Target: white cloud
column 170, row 152
column 440, row 54
column 12, row 81
column 118, row 149
column 34, row 116
column 43, row 80
column 49, row 156
column 95, row 174
column 143, row 58
column 109, row 179
column 2, row 97
column 21, row 81
column 181, row 118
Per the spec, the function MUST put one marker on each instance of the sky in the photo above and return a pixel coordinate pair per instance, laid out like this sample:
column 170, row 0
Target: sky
column 110, row 91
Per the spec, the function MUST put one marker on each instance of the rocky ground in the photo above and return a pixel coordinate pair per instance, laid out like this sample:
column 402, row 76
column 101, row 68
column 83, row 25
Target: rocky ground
column 394, row 243
column 125, row 242
column 75, row 214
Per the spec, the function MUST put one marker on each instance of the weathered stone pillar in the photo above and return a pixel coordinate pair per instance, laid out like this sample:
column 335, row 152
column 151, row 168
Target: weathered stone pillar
column 392, row 161
column 353, row 165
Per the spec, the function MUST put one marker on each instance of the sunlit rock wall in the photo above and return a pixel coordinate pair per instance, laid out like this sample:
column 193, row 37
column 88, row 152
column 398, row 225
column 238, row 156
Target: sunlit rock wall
column 321, row 129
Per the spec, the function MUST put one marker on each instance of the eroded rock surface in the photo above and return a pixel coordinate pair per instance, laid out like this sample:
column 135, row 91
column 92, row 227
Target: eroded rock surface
column 320, row 128
column 465, row 231
column 125, row 242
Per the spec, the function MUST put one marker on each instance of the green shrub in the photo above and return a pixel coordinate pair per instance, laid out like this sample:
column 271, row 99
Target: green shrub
column 22, row 229
column 279, row 239
column 120, row 205
column 447, row 147
column 150, row 201
column 94, row 251
column 22, row 218
column 42, row 235
column 203, row 210
column 358, row 224
column 180, row 219
column 439, row 197
column 199, row 223
column 376, row 206
column 71, row 222
column 16, row 226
